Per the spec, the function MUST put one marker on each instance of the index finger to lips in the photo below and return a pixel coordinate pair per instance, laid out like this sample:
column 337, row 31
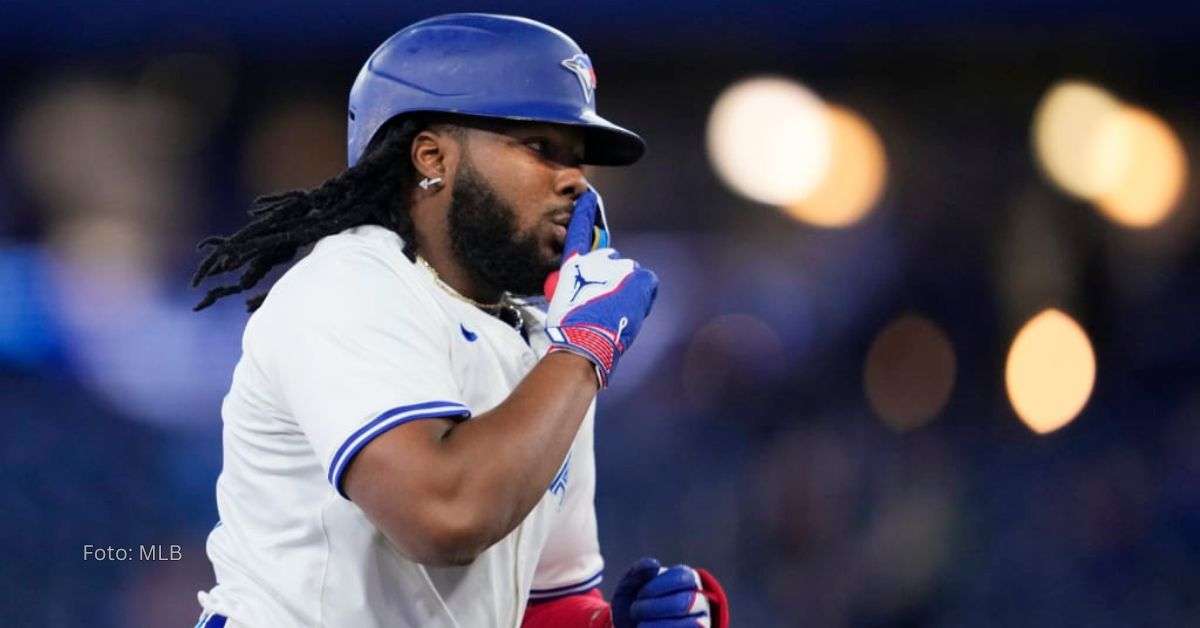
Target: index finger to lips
column 580, row 229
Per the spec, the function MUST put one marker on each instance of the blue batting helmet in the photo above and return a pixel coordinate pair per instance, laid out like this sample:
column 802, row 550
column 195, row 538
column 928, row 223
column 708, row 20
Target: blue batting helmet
column 494, row 66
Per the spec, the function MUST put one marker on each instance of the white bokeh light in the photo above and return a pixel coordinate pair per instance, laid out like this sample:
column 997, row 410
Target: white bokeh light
column 1074, row 140
column 769, row 139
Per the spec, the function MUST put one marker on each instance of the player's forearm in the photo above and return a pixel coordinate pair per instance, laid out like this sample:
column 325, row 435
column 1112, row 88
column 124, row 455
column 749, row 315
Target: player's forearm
column 508, row 456
column 444, row 492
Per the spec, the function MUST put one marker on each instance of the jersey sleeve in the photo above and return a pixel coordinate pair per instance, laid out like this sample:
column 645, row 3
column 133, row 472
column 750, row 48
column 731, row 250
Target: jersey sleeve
column 570, row 561
column 355, row 349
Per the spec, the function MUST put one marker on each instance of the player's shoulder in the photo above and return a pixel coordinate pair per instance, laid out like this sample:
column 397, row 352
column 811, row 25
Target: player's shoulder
column 358, row 272
column 371, row 249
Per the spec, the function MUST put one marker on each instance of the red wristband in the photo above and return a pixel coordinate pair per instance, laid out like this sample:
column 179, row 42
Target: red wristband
column 580, row 610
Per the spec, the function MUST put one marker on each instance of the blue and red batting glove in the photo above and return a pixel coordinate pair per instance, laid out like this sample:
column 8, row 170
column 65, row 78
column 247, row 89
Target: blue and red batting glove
column 599, row 300
column 651, row 596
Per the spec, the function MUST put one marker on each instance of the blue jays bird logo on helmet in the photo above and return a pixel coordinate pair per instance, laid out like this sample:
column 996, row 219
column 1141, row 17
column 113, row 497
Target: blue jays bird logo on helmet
column 581, row 65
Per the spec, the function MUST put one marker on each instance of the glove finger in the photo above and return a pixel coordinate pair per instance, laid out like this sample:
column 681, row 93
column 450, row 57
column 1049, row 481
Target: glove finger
column 689, row 622
column 601, row 220
column 623, row 266
column 646, row 283
column 602, row 239
column 674, row 606
column 673, row 580
column 550, row 285
column 580, row 230
column 651, row 283
column 638, row 575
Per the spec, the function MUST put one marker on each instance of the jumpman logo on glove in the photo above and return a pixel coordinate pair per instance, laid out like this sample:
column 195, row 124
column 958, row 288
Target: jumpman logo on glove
column 581, row 283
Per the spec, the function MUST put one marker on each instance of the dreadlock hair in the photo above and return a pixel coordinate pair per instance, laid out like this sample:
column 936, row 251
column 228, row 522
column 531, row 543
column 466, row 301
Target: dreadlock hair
column 377, row 190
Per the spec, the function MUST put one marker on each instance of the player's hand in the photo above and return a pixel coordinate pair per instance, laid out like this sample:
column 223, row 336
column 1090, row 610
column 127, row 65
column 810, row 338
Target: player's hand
column 600, row 301
column 652, row 596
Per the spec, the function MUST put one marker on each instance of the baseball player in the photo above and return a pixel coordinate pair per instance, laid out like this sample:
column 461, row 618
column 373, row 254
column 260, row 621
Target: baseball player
column 407, row 437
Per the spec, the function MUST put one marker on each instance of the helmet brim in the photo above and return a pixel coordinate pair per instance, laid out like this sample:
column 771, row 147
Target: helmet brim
column 604, row 143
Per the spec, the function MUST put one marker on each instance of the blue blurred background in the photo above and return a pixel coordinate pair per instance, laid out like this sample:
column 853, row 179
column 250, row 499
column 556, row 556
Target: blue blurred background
column 925, row 352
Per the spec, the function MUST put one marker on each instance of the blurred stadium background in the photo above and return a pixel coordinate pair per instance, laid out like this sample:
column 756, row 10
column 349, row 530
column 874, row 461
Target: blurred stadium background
column 925, row 353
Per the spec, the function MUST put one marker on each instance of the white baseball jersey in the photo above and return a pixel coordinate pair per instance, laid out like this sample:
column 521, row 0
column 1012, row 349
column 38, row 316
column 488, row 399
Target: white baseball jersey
column 353, row 341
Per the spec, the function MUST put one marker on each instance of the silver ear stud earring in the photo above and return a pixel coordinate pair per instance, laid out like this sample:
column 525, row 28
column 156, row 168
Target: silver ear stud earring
column 427, row 183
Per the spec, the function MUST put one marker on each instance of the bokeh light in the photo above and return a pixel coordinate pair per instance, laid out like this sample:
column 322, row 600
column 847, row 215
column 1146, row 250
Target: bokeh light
column 852, row 183
column 1073, row 138
column 769, row 139
column 1153, row 180
column 1127, row 161
column 909, row 372
column 1050, row 371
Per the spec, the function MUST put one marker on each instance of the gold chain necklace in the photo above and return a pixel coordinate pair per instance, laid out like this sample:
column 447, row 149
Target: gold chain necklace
column 495, row 308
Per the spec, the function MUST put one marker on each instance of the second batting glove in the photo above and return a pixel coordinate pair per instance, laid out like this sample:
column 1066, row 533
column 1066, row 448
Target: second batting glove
column 652, row 596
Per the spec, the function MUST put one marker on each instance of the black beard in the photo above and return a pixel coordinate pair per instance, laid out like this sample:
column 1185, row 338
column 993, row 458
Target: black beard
column 484, row 237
